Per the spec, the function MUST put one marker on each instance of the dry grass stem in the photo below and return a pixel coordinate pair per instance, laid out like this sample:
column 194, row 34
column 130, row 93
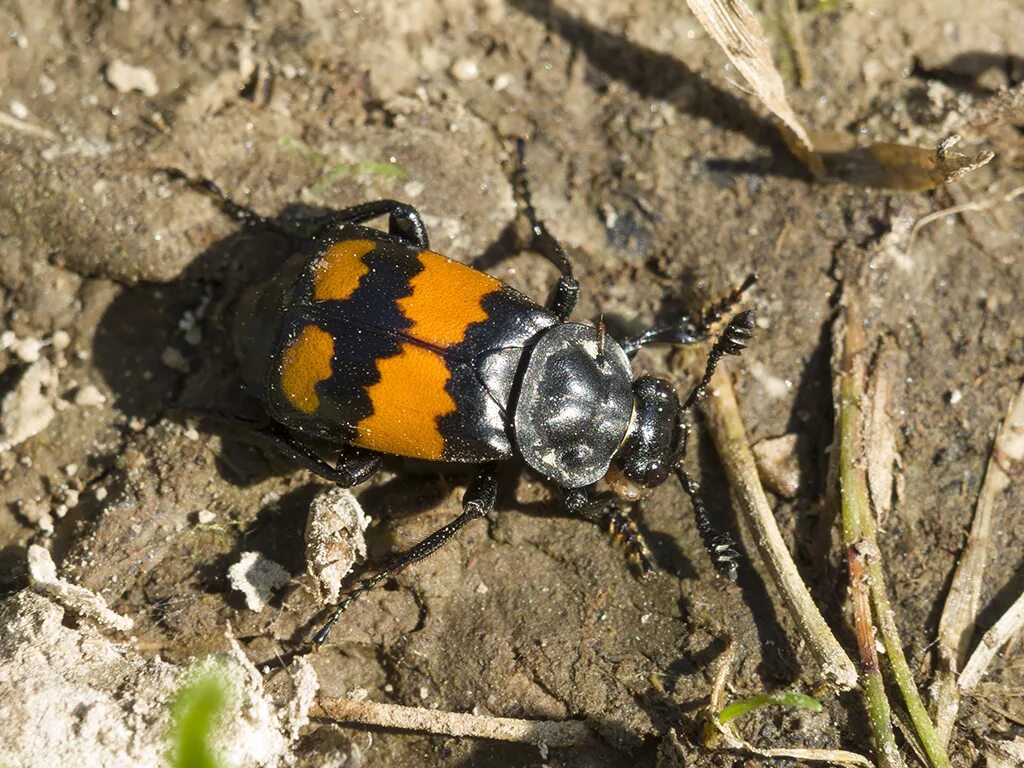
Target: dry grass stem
column 736, row 29
column 719, row 736
column 880, row 403
column 827, row 154
column 1009, row 624
column 957, row 625
column 975, row 205
column 542, row 733
column 27, row 128
column 863, row 422
column 729, row 435
column 849, row 338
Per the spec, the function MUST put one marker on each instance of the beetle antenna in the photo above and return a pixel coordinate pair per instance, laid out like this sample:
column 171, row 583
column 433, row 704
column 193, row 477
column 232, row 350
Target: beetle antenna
column 732, row 341
column 719, row 545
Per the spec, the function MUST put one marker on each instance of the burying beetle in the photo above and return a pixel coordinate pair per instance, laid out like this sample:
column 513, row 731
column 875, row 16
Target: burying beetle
column 372, row 342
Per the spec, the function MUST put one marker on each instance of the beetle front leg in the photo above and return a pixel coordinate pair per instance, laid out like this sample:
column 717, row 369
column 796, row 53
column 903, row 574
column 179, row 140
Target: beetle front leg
column 478, row 501
column 608, row 512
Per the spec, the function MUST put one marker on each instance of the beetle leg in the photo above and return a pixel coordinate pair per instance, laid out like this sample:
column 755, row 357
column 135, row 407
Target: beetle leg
column 477, row 502
column 404, row 221
column 351, row 470
column 686, row 330
column 236, row 211
column 567, row 290
column 606, row 511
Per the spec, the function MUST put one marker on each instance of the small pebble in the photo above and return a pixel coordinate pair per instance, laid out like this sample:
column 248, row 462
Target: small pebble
column 174, row 360
column 205, row 517
column 27, row 408
column 335, row 528
column 27, row 350
column 101, row 493
column 257, row 577
column 61, row 340
column 89, row 396
column 19, row 110
column 126, row 78
column 465, row 70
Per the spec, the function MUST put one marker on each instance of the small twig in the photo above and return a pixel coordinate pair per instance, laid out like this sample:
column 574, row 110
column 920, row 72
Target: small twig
column 974, row 205
column 1009, row 624
column 957, row 624
column 729, row 435
column 543, row 733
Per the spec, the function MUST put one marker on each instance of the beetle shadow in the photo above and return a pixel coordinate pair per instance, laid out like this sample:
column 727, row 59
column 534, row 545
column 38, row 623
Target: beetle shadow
column 657, row 75
column 165, row 349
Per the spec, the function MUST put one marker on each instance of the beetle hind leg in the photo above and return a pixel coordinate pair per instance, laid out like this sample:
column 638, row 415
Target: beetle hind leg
column 235, row 210
column 478, row 501
column 404, row 221
column 355, row 467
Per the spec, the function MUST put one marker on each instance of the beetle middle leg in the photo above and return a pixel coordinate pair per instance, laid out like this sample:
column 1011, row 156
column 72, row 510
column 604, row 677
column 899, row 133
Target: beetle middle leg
column 404, row 221
column 607, row 511
column 567, row 290
column 478, row 501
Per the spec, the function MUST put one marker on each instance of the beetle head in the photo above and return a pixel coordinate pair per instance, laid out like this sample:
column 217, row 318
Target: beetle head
column 648, row 453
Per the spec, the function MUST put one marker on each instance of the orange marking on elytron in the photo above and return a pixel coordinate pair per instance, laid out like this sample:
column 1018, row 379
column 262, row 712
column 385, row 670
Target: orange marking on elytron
column 407, row 403
column 305, row 363
column 446, row 299
column 337, row 273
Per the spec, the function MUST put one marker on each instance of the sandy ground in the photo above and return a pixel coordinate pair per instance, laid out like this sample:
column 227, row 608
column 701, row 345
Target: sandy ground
column 666, row 183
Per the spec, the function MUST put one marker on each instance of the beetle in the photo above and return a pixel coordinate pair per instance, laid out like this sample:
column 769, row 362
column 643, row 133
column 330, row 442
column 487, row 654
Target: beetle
column 371, row 342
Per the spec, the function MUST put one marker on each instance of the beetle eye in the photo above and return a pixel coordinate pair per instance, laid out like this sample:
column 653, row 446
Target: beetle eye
column 656, row 475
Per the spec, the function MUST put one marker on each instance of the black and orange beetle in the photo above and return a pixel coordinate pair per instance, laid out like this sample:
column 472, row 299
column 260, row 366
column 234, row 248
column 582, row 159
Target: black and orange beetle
column 372, row 342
